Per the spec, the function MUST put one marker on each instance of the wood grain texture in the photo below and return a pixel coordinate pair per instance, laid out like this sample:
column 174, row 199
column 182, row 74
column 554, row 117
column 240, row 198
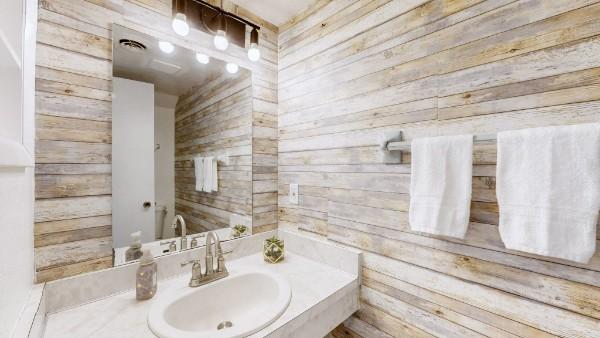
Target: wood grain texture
column 214, row 120
column 352, row 71
column 73, row 134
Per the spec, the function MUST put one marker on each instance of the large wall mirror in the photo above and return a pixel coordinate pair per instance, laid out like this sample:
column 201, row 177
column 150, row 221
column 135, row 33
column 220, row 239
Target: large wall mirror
column 181, row 147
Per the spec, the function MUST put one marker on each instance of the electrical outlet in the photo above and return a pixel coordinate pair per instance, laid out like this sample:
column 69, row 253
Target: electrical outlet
column 293, row 193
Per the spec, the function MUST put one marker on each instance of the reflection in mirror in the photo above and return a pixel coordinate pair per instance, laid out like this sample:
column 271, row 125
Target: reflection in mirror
column 181, row 147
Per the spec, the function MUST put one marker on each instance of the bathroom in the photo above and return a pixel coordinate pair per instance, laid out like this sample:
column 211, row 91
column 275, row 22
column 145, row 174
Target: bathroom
column 340, row 168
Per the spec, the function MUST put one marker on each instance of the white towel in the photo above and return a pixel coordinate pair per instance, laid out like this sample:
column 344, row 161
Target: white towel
column 548, row 189
column 199, row 172
column 440, row 187
column 215, row 175
column 208, row 172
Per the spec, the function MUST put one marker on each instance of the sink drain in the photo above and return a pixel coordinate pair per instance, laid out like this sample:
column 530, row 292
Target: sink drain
column 224, row 325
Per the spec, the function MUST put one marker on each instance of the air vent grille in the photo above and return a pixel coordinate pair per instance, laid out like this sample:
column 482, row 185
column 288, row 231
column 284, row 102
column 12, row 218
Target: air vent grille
column 132, row 45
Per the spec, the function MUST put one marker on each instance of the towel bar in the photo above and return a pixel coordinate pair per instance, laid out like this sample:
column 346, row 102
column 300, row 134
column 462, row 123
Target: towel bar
column 405, row 145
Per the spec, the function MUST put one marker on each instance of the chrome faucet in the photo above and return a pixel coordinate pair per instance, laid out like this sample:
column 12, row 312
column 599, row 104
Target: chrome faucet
column 210, row 274
column 179, row 219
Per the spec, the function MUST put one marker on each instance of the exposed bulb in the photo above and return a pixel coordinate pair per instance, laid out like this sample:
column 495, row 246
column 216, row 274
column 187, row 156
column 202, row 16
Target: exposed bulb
column 220, row 40
column 202, row 58
column 254, row 52
column 180, row 25
column 166, row 47
column 232, row 68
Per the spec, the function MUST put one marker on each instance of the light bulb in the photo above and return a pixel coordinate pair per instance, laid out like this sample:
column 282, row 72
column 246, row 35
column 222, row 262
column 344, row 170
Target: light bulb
column 220, row 40
column 180, row 25
column 253, row 52
column 202, row 58
column 232, row 68
column 166, row 47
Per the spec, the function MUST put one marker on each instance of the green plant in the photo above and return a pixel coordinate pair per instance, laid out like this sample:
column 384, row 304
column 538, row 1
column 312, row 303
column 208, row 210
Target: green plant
column 239, row 230
column 273, row 250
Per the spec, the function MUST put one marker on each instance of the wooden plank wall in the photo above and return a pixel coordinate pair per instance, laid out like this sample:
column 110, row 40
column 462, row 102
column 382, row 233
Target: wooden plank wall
column 73, row 147
column 215, row 119
column 264, row 121
column 351, row 70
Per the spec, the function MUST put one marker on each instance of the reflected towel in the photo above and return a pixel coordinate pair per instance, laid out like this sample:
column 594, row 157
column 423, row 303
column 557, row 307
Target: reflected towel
column 208, row 172
column 199, row 172
column 215, row 175
column 548, row 189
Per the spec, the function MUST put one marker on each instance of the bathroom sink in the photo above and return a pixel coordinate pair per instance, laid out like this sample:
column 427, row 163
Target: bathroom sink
column 236, row 306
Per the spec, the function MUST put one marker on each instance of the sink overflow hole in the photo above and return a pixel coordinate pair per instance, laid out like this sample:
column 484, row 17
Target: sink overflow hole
column 224, row 325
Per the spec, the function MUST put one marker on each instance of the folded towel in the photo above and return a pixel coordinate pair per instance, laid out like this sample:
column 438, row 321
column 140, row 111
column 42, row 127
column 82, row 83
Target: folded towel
column 215, row 175
column 548, row 189
column 440, row 187
column 199, row 172
column 208, row 172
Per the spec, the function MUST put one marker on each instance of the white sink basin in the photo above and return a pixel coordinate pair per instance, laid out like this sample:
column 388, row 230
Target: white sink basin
column 236, row 306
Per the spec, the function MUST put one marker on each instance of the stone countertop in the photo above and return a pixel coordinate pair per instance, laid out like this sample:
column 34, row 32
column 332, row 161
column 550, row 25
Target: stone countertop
column 315, row 288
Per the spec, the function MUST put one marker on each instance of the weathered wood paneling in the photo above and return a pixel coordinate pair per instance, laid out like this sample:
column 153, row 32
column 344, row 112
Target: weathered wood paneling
column 350, row 71
column 214, row 120
column 73, row 106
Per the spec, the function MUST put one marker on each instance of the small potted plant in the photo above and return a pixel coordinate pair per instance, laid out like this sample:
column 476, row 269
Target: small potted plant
column 239, row 230
column 273, row 250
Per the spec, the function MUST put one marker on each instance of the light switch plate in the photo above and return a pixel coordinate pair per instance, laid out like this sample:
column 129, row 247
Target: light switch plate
column 293, row 193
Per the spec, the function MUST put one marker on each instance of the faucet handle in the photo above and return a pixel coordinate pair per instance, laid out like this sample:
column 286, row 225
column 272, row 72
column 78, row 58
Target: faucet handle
column 196, row 272
column 194, row 242
column 172, row 245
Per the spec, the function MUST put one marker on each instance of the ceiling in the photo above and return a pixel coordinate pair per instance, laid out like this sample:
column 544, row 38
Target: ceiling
column 172, row 74
column 276, row 12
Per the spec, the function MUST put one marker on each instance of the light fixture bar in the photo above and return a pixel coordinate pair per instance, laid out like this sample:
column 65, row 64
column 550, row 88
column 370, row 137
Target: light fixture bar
column 223, row 12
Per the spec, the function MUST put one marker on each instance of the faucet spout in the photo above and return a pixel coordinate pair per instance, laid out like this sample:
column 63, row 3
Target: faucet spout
column 210, row 274
column 179, row 219
column 211, row 238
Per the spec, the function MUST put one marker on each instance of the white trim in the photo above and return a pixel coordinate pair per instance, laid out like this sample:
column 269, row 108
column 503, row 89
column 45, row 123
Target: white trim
column 30, row 13
column 14, row 154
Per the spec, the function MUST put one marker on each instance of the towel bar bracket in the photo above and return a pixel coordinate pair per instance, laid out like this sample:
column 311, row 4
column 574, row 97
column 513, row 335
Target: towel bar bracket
column 391, row 157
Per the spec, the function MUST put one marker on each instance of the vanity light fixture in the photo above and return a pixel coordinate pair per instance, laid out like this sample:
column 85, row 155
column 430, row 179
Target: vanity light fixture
column 232, row 68
column 166, row 47
column 202, row 58
column 253, row 51
column 220, row 39
column 180, row 25
column 213, row 19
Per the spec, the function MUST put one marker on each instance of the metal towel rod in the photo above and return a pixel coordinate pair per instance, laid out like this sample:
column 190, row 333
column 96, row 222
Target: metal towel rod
column 405, row 145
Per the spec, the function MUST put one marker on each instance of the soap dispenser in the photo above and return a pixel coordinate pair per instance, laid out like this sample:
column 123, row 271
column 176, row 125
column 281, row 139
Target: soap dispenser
column 146, row 277
column 135, row 249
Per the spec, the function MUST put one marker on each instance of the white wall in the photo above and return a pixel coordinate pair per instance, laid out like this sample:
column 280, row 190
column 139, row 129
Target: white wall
column 164, row 158
column 132, row 160
column 16, row 183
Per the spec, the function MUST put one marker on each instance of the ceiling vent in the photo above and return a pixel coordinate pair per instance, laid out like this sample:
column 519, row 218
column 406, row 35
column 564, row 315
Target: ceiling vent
column 165, row 67
column 132, row 45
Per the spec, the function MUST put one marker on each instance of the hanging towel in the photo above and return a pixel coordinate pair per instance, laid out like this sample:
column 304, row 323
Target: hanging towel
column 208, row 171
column 215, row 175
column 440, row 187
column 548, row 189
column 199, row 172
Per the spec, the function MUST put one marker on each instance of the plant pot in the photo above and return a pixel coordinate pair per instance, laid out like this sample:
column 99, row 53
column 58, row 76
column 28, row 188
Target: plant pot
column 273, row 250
